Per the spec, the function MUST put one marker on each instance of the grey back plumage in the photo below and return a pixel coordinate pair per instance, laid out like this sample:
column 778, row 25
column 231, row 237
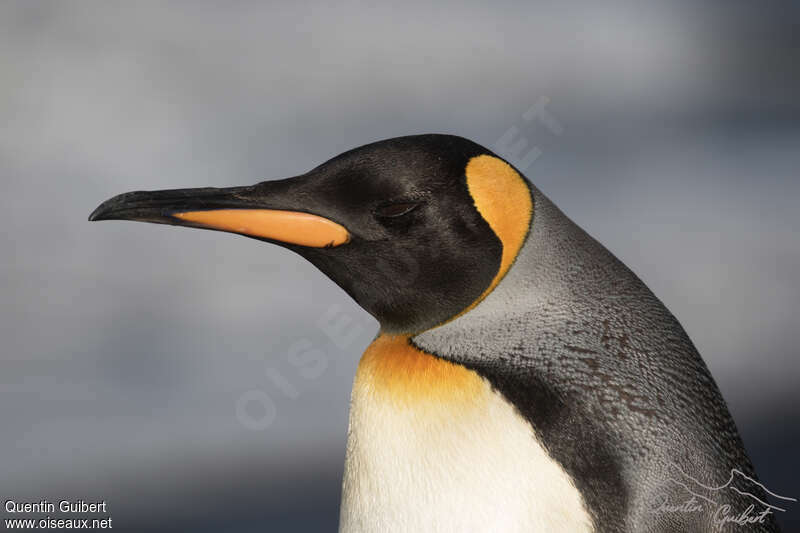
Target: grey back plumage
column 611, row 383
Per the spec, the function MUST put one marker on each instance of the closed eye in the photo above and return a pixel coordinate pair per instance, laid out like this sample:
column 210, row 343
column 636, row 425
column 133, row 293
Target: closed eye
column 395, row 210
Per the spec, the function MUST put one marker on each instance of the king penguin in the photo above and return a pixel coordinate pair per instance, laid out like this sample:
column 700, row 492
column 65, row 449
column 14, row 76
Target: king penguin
column 523, row 378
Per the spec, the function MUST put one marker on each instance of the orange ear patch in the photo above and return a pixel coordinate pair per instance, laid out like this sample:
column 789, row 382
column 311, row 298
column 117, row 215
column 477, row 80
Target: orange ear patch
column 503, row 199
column 291, row 227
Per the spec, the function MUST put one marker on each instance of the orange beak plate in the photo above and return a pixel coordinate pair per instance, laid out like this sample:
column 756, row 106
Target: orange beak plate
column 291, row 227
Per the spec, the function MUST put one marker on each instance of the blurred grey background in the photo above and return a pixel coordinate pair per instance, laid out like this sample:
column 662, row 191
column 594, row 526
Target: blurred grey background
column 135, row 358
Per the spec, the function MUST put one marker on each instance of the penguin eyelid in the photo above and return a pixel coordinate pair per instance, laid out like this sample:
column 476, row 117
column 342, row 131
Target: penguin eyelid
column 395, row 210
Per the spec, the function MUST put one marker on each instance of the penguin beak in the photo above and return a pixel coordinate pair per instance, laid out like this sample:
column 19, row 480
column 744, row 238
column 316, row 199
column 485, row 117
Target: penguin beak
column 247, row 211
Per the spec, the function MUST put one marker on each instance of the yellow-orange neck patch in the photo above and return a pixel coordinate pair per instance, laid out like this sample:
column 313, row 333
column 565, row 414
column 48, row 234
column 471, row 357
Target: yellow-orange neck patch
column 393, row 367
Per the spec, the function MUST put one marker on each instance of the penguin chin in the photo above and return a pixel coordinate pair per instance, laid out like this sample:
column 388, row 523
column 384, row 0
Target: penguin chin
column 384, row 278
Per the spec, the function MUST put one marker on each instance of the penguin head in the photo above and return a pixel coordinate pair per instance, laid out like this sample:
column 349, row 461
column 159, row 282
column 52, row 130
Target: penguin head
column 416, row 229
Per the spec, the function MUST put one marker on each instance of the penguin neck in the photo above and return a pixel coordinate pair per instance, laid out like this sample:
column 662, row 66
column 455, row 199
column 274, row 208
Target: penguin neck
column 433, row 447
